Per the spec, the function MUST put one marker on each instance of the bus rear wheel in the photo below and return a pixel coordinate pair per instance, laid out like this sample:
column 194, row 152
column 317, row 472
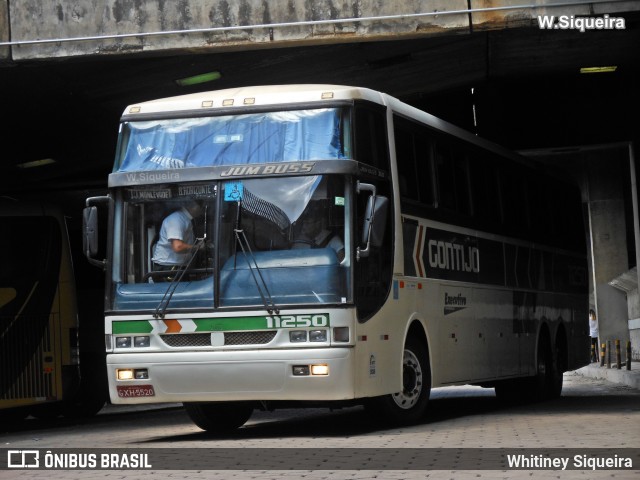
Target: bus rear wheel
column 547, row 382
column 410, row 404
column 218, row 417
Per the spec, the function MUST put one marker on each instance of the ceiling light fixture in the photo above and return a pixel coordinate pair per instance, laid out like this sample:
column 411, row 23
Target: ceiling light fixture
column 198, row 79
column 36, row 163
column 598, row 69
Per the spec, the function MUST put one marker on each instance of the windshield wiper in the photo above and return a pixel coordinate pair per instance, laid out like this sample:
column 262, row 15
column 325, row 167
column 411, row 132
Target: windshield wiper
column 263, row 290
column 184, row 266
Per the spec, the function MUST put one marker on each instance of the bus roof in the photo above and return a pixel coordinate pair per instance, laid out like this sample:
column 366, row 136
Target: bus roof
column 273, row 95
column 254, row 96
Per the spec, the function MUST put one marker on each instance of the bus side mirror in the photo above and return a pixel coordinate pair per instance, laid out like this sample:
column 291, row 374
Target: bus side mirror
column 90, row 231
column 375, row 220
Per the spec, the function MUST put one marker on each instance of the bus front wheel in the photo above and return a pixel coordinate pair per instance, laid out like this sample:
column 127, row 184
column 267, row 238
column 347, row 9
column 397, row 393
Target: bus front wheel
column 218, row 417
column 408, row 405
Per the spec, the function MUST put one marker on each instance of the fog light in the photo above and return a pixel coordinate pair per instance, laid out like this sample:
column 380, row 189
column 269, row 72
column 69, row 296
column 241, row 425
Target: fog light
column 301, row 370
column 319, row 369
column 141, row 374
column 123, row 342
column 341, row 334
column 297, row 336
column 141, row 341
column 318, row 336
column 124, row 374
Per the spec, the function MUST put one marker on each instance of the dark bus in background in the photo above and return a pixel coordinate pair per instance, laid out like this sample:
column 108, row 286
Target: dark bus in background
column 51, row 358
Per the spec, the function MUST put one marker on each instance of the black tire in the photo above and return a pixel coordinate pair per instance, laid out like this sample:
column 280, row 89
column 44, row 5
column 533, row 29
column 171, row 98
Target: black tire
column 11, row 418
column 218, row 417
column 409, row 405
column 560, row 365
column 84, row 407
column 546, row 384
column 541, row 385
column 47, row 411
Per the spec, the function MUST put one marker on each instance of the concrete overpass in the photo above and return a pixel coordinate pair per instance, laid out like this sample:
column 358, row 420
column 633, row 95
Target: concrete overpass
column 68, row 69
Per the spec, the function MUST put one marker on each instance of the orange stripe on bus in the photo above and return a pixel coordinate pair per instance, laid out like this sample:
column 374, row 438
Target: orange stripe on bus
column 173, row 326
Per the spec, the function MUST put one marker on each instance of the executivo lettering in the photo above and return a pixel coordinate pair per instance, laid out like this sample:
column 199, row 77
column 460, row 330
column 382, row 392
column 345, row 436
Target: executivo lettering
column 453, row 256
column 454, row 303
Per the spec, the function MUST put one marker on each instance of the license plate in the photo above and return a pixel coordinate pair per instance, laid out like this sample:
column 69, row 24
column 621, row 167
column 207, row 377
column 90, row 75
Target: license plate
column 130, row 391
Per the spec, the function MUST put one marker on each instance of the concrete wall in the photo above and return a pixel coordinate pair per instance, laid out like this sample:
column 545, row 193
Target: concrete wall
column 37, row 19
column 5, row 52
column 249, row 24
column 633, row 301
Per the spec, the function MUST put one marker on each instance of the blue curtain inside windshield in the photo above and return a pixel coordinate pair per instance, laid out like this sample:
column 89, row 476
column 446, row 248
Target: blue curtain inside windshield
column 231, row 140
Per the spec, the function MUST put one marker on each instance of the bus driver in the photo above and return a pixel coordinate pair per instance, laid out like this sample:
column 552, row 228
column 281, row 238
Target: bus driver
column 177, row 239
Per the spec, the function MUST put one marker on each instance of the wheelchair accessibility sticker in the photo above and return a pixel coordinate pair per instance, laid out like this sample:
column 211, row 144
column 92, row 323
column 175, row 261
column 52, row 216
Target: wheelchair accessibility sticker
column 233, row 191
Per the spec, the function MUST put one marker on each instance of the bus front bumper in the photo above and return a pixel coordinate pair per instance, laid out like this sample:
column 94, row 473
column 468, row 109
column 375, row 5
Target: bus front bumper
column 232, row 376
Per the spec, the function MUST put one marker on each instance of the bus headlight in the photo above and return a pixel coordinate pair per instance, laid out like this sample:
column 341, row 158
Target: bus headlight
column 318, row 336
column 141, row 341
column 297, row 336
column 126, row 342
column 124, row 373
column 131, row 374
column 319, row 369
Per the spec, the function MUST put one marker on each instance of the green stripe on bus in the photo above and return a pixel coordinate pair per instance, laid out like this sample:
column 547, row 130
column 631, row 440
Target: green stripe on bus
column 131, row 326
column 227, row 324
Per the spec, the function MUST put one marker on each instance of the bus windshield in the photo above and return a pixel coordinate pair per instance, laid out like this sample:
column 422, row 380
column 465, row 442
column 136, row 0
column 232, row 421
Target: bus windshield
column 251, row 242
column 255, row 138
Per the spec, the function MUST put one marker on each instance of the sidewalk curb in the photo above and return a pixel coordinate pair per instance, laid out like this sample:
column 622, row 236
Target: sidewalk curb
column 630, row 378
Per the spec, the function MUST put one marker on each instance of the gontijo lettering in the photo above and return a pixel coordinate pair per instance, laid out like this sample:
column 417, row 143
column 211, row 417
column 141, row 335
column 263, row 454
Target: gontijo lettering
column 453, row 256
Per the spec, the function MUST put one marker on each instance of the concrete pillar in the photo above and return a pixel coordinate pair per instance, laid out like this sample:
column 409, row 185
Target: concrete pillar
column 5, row 52
column 605, row 172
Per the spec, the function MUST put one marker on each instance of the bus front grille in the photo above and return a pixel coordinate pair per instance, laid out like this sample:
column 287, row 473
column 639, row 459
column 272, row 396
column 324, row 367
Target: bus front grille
column 181, row 340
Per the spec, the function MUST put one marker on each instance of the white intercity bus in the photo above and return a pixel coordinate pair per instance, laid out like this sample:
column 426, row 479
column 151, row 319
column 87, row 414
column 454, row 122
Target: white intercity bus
column 351, row 250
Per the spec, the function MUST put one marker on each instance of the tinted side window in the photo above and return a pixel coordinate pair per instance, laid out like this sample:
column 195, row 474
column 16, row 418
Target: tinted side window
column 452, row 167
column 485, row 189
column 371, row 145
column 372, row 275
column 414, row 159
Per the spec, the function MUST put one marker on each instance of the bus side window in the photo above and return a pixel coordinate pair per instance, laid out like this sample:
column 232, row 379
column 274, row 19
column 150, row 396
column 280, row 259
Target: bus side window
column 371, row 136
column 462, row 182
column 373, row 273
column 444, row 169
column 515, row 206
column 405, row 157
column 414, row 159
column 485, row 189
